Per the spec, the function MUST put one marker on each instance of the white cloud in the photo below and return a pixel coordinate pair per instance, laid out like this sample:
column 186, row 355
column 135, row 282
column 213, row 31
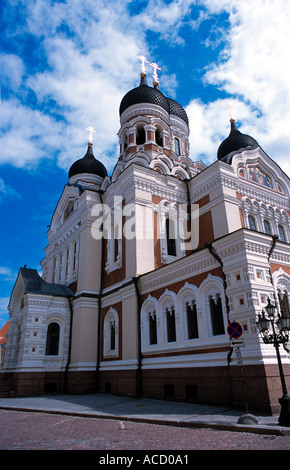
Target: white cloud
column 210, row 125
column 7, row 274
column 27, row 135
column 90, row 49
column 12, row 70
column 254, row 68
column 90, row 68
column 166, row 19
column 4, row 315
column 7, row 192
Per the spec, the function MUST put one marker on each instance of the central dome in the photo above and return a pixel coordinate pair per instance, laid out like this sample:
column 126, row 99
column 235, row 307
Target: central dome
column 146, row 94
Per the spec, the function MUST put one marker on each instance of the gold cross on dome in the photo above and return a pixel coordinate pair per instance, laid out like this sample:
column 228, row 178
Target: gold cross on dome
column 228, row 105
column 91, row 130
column 143, row 60
column 155, row 67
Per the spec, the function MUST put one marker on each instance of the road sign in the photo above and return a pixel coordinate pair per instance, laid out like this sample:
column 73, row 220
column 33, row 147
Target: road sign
column 239, row 356
column 237, row 343
column 234, row 330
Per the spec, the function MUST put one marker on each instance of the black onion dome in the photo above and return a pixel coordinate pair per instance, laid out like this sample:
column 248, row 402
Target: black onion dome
column 143, row 94
column 146, row 94
column 234, row 142
column 176, row 109
column 88, row 164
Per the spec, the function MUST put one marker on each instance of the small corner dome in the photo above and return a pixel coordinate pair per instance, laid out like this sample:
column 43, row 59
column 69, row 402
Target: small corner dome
column 234, row 142
column 88, row 164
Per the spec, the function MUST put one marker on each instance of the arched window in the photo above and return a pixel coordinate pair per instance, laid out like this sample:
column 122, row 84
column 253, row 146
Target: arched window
column 116, row 243
column 68, row 210
column 216, row 312
column 74, row 255
column 170, row 321
column 171, row 236
column 17, row 340
column 267, row 227
column 159, row 137
column 140, row 135
column 152, row 328
column 252, row 223
column 177, row 146
column 67, row 261
column 124, row 143
column 284, row 302
column 191, row 314
column 60, row 267
column 52, row 339
column 281, row 233
column 111, row 333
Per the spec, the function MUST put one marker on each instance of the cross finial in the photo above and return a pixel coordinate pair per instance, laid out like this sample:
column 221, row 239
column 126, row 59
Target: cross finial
column 228, row 105
column 155, row 76
column 91, row 130
column 143, row 60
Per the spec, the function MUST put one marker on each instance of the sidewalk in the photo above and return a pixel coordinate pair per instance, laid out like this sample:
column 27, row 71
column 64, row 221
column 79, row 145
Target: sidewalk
column 146, row 410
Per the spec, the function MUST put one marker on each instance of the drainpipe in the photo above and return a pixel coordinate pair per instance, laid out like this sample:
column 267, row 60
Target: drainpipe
column 139, row 367
column 189, row 210
column 273, row 244
column 274, row 241
column 216, row 256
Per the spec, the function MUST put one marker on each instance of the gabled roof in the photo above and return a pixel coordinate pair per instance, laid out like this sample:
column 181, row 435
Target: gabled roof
column 3, row 333
column 33, row 283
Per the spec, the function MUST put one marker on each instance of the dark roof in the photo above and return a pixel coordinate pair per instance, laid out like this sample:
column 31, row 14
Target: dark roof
column 146, row 94
column 88, row 164
column 176, row 109
column 33, row 283
column 234, row 142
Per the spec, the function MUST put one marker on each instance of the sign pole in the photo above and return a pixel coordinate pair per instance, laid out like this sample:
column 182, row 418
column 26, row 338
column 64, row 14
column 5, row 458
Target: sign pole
column 240, row 362
column 235, row 331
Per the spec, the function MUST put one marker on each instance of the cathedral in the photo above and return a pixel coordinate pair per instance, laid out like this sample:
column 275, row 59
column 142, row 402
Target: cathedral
column 145, row 269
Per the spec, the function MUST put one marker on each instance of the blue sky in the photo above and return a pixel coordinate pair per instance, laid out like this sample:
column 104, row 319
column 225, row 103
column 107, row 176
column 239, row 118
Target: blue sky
column 65, row 65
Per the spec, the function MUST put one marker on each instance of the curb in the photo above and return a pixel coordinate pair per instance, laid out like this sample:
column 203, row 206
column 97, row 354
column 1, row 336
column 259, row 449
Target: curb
column 255, row 429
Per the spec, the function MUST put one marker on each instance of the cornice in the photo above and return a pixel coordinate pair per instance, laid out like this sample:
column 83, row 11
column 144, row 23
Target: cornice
column 135, row 178
column 137, row 110
column 206, row 182
column 175, row 273
column 255, row 192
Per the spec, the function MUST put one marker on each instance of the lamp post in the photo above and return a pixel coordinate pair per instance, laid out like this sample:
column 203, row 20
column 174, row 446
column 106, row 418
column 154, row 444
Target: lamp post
column 276, row 338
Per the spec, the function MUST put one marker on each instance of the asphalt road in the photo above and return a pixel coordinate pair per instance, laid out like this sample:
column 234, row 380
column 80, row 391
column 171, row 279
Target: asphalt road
column 20, row 430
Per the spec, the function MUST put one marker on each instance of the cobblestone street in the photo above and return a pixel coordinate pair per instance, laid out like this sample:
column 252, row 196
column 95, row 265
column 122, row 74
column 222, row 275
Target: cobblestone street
column 42, row 431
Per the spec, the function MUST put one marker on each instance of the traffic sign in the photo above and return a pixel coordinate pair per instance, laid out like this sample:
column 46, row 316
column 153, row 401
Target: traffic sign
column 234, row 330
column 237, row 343
column 239, row 356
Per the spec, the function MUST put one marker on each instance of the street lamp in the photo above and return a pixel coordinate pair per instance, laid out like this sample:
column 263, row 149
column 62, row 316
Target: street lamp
column 275, row 338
